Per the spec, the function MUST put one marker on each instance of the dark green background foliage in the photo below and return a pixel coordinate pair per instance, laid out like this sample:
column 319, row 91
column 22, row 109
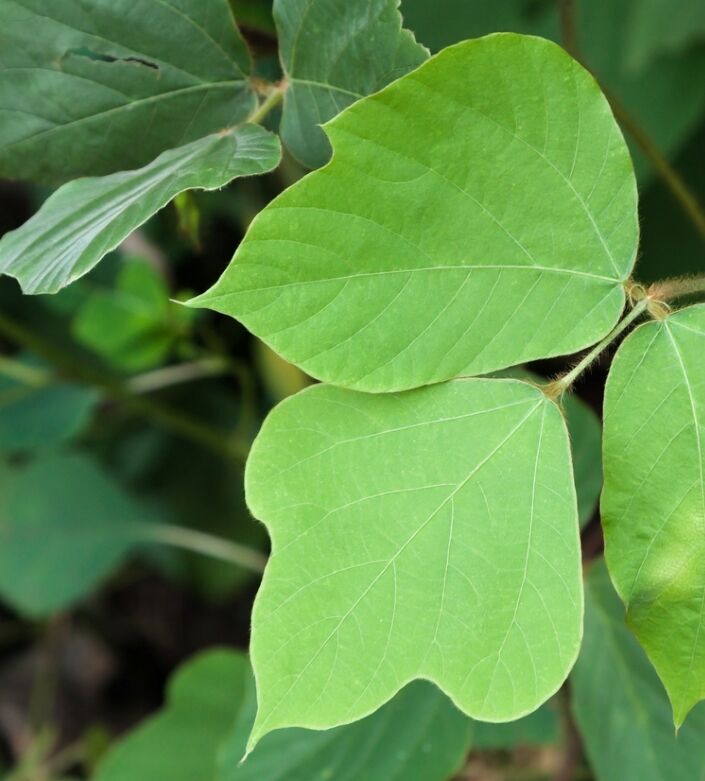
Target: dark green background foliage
column 138, row 141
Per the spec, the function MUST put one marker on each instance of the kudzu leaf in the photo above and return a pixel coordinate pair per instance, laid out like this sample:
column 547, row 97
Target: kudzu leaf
column 419, row 735
column 93, row 89
column 431, row 534
column 182, row 742
column 477, row 213
column 64, row 525
column 133, row 326
column 621, row 709
column 653, row 503
column 334, row 52
column 83, row 220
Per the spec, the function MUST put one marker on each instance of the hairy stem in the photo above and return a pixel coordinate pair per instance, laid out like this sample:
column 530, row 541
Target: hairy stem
column 209, row 545
column 668, row 289
column 559, row 386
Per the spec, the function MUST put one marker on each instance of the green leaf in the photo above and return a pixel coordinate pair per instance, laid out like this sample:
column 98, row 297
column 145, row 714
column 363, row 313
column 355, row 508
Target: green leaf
column 83, row 220
column 64, row 525
column 201, row 733
column 334, row 52
column 540, row 728
column 41, row 416
column 420, row 254
column 664, row 26
column 653, row 503
column 106, row 87
column 134, row 326
column 586, row 446
column 431, row 534
column 182, row 742
column 417, row 736
column 619, row 704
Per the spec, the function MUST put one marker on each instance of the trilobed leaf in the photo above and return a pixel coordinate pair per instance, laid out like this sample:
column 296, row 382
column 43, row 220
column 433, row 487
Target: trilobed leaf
column 477, row 213
column 334, row 52
column 653, row 504
column 428, row 534
column 93, row 88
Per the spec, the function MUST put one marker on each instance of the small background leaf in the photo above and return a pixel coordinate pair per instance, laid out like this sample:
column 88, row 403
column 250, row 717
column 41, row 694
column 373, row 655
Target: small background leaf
column 619, row 703
column 334, row 52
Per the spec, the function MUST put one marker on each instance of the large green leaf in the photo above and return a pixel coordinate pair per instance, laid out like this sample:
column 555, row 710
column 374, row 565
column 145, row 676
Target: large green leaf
column 201, row 733
column 653, row 503
column 334, row 52
column 64, row 525
column 619, row 703
column 420, row 254
column 83, row 220
column 429, row 534
column 93, row 88
column 182, row 742
column 586, row 446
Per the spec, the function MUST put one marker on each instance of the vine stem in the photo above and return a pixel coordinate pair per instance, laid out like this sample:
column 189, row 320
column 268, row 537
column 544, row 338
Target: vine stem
column 207, row 544
column 667, row 289
column 559, row 386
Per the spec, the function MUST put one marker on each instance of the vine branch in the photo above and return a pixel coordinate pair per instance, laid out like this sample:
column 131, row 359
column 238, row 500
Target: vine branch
column 208, row 544
column 559, row 386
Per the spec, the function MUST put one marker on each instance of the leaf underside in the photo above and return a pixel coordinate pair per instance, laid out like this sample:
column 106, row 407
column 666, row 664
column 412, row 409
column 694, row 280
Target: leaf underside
column 477, row 213
column 431, row 534
column 85, row 219
column 653, row 504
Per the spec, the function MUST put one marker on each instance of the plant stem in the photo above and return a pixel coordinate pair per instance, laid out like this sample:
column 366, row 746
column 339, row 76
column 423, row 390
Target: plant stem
column 559, row 386
column 209, row 545
column 569, row 32
column 667, row 289
column 273, row 99
column 167, row 418
column 23, row 373
column 166, row 376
